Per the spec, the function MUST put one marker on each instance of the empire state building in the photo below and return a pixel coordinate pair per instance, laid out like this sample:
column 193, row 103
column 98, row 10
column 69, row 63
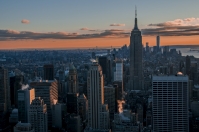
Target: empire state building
column 136, row 73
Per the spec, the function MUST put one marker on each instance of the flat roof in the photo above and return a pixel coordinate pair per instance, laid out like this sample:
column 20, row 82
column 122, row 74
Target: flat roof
column 170, row 78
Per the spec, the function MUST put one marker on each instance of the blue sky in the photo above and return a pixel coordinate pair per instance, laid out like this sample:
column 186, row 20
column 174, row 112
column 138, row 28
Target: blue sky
column 71, row 15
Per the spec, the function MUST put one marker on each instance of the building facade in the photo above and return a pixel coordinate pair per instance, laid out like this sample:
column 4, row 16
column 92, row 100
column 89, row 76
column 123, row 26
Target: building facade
column 158, row 43
column 48, row 72
column 72, row 80
column 98, row 114
column 136, row 72
column 48, row 91
column 109, row 98
column 118, row 74
column 25, row 97
column 4, row 90
column 38, row 115
column 170, row 103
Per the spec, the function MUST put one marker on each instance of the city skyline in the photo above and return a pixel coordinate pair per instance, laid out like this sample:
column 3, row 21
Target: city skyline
column 82, row 24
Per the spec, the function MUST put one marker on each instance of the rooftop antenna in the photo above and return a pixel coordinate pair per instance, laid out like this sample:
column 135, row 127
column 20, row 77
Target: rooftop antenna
column 135, row 11
column 135, row 26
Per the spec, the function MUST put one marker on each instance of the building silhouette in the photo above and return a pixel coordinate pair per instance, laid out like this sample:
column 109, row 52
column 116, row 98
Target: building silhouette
column 109, row 98
column 59, row 111
column 105, row 63
column 118, row 74
column 170, row 103
column 4, row 90
column 158, row 43
column 48, row 91
column 48, row 72
column 16, row 80
column 25, row 97
column 98, row 114
column 188, row 65
column 83, row 106
column 38, row 115
column 136, row 72
column 72, row 79
column 72, row 103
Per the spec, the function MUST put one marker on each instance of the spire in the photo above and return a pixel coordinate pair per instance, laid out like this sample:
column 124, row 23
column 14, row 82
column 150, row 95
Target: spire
column 135, row 26
column 135, row 12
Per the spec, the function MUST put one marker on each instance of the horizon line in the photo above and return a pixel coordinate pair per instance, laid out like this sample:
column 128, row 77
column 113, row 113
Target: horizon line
column 91, row 48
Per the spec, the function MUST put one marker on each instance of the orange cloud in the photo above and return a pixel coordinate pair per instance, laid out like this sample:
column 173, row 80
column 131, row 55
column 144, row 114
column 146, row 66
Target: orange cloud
column 25, row 21
column 117, row 24
column 85, row 28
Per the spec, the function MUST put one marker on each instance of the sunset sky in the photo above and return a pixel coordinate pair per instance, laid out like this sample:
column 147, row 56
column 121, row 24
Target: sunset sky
column 91, row 23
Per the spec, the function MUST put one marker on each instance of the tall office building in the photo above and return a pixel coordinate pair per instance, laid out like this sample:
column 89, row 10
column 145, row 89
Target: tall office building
column 181, row 67
column 118, row 74
column 188, row 65
column 59, row 111
column 158, row 43
column 4, row 90
column 48, row 72
column 147, row 47
column 166, row 50
column 109, row 98
column 194, row 72
column 118, row 85
column 98, row 114
column 72, row 80
column 105, row 63
column 16, row 81
column 72, row 103
column 25, row 97
column 170, row 103
column 136, row 73
column 48, row 91
column 19, row 79
column 83, row 106
column 38, row 115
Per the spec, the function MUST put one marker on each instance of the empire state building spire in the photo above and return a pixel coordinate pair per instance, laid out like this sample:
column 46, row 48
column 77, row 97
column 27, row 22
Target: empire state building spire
column 135, row 26
column 136, row 72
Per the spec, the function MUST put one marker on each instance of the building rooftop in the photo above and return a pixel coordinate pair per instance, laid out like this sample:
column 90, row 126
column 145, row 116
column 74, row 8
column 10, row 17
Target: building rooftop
column 177, row 77
column 23, row 126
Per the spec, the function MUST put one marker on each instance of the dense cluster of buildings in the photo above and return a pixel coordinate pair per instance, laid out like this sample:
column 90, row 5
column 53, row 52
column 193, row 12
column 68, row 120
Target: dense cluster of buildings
column 130, row 89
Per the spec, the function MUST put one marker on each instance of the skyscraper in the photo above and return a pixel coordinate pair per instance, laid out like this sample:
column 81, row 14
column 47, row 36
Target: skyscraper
column 25, row 97
column 83, row 106
column 105, row 63
column 48, row 91
column 170, row 103
column 48, row 72
column 118, row 74
column 72, row 103
column 98, row 114
column 38, row 115
column 136, row 74
column 4, row 90
column 188, row 65
column 16, row 81
column 158, row 43
column 109, row 98
column 59, row 111
column 147, row 47
column 72, row 80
